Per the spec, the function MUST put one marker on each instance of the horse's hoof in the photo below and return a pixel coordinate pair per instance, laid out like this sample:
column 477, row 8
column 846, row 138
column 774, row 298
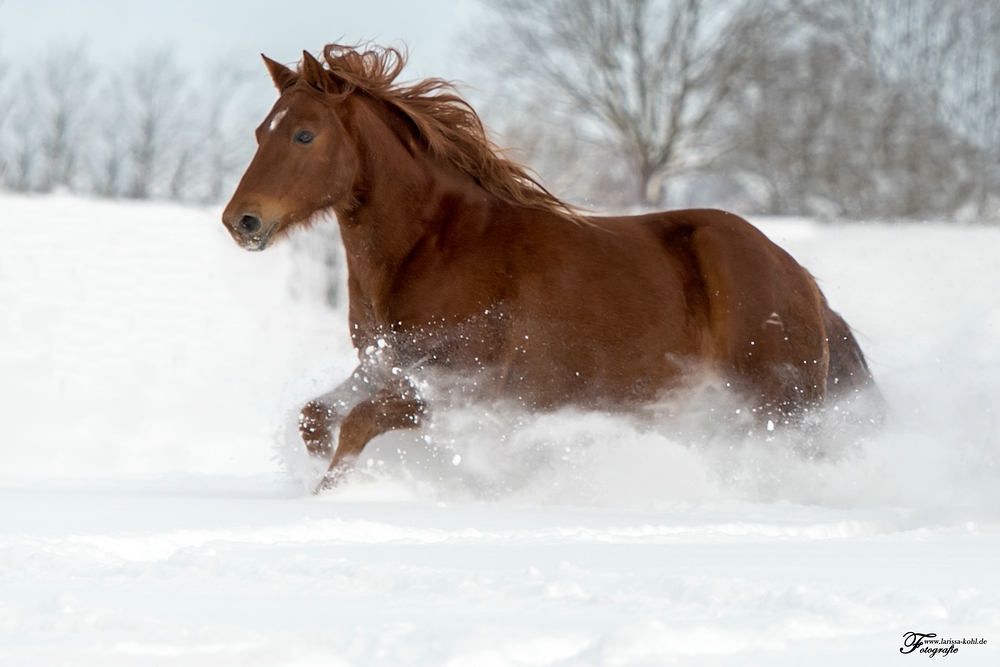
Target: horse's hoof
column 331, row 480
column 315, row 426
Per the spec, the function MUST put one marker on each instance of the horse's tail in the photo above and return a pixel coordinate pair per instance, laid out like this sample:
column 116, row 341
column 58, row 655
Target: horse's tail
column 849, row 378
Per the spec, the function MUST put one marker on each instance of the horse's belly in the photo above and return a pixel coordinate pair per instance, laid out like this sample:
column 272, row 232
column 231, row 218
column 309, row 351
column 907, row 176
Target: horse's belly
column 606, row 333
column 602, row 365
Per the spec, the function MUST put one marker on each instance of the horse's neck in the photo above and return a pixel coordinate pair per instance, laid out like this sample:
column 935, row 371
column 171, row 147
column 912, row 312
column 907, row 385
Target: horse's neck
column 403, row 194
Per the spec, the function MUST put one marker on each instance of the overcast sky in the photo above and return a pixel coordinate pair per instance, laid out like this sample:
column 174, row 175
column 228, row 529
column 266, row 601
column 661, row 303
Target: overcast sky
column 206, row 29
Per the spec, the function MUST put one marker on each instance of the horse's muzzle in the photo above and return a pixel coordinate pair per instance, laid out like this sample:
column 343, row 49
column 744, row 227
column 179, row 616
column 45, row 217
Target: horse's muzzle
column 251, row 233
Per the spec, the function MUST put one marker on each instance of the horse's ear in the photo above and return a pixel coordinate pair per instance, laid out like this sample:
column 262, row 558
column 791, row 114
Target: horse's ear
column 314, row 72
column 281, row 75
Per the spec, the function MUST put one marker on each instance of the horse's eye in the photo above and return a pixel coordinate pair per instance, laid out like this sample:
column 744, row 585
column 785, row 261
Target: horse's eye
column 304, row 137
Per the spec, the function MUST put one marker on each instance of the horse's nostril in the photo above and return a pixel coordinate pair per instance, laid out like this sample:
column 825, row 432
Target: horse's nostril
column 248, row 224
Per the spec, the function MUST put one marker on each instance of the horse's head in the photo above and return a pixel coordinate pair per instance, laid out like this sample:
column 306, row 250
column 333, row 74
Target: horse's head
column 305, row 163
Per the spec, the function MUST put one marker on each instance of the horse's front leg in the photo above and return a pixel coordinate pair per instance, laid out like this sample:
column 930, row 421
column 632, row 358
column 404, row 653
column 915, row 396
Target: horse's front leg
column 321, row 415
column 387, row 410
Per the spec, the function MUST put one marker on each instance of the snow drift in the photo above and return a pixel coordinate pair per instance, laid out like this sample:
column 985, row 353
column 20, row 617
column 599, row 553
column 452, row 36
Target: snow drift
column 155, row 507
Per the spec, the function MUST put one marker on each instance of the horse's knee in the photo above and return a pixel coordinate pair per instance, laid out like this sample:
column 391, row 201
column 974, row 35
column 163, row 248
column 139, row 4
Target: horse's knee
column 387, row 411
column 316, row 426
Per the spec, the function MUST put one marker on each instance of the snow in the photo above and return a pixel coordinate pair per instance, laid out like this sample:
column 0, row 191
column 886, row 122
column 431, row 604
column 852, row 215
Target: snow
column 153, row 504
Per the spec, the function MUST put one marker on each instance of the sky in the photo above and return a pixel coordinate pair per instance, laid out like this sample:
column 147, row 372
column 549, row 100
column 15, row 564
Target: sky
column 200, row 30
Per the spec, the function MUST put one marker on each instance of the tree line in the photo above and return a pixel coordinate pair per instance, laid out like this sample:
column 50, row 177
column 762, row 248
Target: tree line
column 864, row 109
column 834, row 108
column 146, row 129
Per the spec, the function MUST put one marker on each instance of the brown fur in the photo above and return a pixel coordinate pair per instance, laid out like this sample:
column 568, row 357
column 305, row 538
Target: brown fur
column 459, row 261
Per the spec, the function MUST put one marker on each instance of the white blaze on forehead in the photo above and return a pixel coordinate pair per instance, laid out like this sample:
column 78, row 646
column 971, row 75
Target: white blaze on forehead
column 277, row 119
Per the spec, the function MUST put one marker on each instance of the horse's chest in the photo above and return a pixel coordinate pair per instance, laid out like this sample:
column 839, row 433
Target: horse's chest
column 469, row 343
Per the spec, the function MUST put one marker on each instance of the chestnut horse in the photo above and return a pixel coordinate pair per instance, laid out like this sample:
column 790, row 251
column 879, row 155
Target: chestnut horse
column 458, row 260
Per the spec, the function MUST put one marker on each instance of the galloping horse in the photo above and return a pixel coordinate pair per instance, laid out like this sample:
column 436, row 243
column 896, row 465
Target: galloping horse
column 459, row 261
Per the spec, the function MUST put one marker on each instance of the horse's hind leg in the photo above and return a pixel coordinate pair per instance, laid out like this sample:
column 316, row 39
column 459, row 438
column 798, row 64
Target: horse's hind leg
column 387, row 410
column 848, row 369
column 849, row 381
column 766, row 316
column 321, row 415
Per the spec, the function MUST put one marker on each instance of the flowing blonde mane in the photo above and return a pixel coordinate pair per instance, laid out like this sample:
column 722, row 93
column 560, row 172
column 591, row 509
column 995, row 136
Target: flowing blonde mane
column 445, row 121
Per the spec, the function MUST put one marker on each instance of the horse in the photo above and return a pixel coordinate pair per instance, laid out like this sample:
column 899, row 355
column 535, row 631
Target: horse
column 460, row 262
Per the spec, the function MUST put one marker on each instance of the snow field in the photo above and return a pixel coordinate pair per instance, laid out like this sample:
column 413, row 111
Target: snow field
column 153, row 508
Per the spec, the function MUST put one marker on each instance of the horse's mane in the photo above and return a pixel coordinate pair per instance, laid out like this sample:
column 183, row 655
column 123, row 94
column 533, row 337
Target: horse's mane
column 444, row 120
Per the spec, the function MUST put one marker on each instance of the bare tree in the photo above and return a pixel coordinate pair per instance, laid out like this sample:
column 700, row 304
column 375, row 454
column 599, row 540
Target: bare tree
column 823, row 123
column 839, row 108
column 942, row 55
column 7, row 100
column 22, row 140
column 152, row 129
column 65, row 89
column 817, row 132
column 948, row 56
column 649, row 74
column 108, row 160
column 225, row 129
column 156, row 87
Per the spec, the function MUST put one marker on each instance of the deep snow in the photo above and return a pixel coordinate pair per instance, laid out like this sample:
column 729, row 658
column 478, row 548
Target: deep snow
column 153, row 507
